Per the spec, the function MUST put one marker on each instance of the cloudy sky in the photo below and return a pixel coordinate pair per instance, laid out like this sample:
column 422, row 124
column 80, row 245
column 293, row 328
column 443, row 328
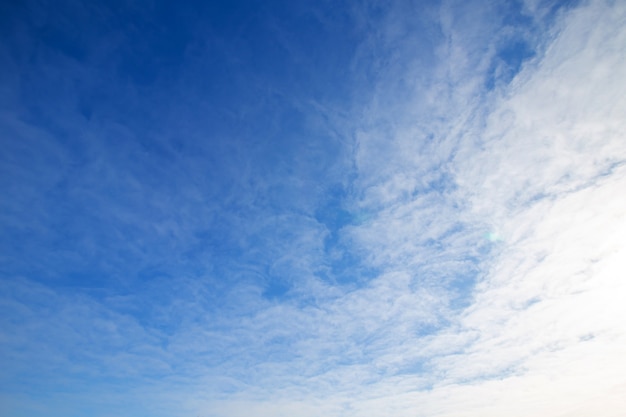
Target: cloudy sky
column 313, row 208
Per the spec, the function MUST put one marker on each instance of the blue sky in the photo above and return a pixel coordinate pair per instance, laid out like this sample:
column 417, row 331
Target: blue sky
column 360, row 209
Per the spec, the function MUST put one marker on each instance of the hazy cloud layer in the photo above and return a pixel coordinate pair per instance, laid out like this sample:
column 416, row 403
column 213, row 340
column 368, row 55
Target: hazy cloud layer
column 443, row 236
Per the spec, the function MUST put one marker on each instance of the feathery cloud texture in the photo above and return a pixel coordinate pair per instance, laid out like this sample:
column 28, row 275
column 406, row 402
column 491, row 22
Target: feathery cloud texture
column 347, row 209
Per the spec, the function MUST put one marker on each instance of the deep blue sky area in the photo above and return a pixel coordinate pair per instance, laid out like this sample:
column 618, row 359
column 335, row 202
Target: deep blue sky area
column 246, row 208
column 163, row 113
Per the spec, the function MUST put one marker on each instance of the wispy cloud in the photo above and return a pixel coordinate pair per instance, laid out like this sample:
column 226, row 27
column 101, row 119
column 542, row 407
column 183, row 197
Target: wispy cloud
column 542, row 171
column 448, row 243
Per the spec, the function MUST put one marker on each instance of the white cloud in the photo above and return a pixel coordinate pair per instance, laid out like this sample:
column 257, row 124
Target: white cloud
column 543, row 171
column 539, row 163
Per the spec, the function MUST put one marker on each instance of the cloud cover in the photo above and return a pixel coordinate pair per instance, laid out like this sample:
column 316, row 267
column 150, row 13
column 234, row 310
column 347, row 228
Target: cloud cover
column 448, row 240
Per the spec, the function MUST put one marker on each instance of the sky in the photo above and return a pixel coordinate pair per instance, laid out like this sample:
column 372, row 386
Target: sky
column 313, row 208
